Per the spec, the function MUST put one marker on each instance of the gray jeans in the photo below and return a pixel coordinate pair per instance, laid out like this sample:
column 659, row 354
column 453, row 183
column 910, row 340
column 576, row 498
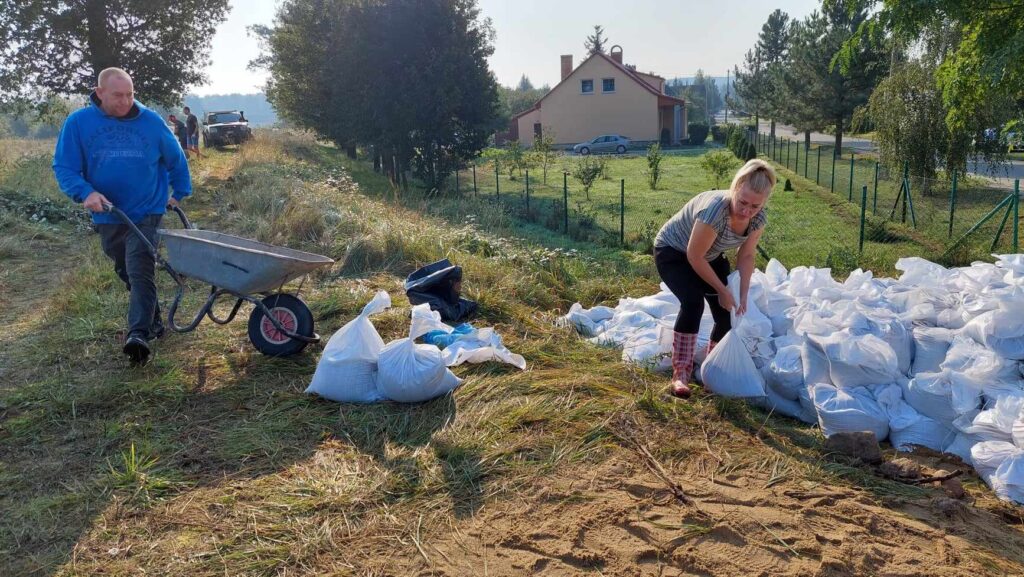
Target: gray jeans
column 137, row 268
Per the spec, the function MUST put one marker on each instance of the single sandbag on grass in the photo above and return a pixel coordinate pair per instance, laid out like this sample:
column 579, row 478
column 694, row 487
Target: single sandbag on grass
column 849, row 411
column 411, row 373
column 347, row 369
column 729, row 371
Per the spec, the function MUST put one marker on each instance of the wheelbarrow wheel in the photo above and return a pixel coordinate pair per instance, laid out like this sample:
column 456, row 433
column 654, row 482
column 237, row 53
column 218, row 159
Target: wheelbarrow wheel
column 292, row 313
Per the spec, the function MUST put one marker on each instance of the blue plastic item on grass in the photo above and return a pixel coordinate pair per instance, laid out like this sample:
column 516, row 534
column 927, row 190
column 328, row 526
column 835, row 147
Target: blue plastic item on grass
column 441, row 339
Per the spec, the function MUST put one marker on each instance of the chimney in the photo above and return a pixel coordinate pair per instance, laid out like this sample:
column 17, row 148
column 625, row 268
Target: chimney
column 566, row 65
column 616, row 55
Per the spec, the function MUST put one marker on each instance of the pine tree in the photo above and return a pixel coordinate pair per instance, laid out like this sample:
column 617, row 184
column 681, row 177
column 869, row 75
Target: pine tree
column 595, row 42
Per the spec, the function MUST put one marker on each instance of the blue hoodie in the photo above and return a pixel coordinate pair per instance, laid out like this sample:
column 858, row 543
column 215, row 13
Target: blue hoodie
column 128, row 160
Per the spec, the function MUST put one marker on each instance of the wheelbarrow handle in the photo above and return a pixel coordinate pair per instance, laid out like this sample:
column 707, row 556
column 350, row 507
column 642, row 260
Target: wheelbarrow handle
column 131, row 225
column 184, row 219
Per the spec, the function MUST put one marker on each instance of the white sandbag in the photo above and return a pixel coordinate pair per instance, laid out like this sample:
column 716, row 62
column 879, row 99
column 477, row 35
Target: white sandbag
column 856, row 361
column 729, row 371
column 408, row 372
column 995, row 423
column 1017, row 430
column 803, row 281
column 651, row 347
column 658, row 306
column 988, row 456
column 1008, row 480
column 907, row 427
column 930, row 347
column 977, row 364
column 1011, row 262
column 1001, row 330
column 918, row 271
column 776, row 273
column 587, row 322
column 346, row 372
column 961, row 446
column 940, row 397
column 775, row 404
column 814, row 363
column 786, row 372
column 849, row 411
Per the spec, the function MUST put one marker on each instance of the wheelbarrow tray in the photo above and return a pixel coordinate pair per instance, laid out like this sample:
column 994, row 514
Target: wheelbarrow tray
column 237, row 264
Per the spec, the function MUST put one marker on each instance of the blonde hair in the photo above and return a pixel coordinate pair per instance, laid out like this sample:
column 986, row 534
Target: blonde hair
column 757, row 174
column 107, row 73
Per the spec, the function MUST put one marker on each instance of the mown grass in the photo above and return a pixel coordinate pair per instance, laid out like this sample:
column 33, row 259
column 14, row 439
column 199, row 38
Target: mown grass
column 211, row 460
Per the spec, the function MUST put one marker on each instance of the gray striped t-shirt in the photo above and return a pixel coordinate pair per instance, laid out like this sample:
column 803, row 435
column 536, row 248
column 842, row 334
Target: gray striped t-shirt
column 713, row 209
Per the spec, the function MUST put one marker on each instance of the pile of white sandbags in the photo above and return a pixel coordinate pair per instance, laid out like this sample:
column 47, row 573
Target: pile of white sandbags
column 357, row 367
column 932, row 358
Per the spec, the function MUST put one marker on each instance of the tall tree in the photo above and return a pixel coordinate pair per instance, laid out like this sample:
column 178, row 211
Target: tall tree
column 58, row 47
column 596, row 41
column 751, row 85
column 524, row 84
column 820, row 91
column 407, row 77
column 773, row 46
column 983, row 67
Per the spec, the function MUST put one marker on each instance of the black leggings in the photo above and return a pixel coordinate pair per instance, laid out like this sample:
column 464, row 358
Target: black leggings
column 691, row 290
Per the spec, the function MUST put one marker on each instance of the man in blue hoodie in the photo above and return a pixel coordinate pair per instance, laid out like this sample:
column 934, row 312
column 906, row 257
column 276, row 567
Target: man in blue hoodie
column 118, row 152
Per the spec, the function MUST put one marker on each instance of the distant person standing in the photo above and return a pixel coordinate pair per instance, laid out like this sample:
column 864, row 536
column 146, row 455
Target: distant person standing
column 118, row 152
column 179, row 131
column 192, row 131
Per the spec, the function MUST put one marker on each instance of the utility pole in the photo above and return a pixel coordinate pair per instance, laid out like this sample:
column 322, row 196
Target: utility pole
column 727, row 71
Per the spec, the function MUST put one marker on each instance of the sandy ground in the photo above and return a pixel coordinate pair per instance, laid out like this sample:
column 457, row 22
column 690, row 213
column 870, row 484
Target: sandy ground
column 622, row 519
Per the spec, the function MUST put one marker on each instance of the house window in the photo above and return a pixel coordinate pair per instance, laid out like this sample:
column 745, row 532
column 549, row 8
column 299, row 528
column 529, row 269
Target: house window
column 608, row 85
column 537, row 130
column 587, row 86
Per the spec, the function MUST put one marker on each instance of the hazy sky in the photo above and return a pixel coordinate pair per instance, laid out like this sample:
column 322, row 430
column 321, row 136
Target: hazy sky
column 669, row 38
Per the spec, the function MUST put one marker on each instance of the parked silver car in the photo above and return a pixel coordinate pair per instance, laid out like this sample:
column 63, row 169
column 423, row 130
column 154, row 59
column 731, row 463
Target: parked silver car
column 604, row 143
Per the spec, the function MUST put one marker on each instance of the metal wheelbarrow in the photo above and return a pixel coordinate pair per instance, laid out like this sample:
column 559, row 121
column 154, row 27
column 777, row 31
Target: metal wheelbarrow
column 280, row 324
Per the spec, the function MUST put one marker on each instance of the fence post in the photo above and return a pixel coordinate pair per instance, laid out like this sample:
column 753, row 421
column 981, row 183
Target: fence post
column 622, row 211
column 952, row 204
column 863, row 214
column 497, row 185
column 565, row 200
column 906, row 189
column 788, row 143
column 833, row 185
column 850, row 199
column 527, row 194
column 1016, row 215
column 807, row 159
column 874, row 204
column 475, row 191
column 817, row 174
column 797, row 165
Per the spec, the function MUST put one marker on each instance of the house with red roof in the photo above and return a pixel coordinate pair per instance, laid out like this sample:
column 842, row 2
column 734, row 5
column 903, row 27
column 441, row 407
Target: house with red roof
column 603, row 96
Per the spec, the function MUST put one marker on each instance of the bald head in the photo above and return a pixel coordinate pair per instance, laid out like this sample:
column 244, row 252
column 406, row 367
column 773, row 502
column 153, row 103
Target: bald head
column 115, row 91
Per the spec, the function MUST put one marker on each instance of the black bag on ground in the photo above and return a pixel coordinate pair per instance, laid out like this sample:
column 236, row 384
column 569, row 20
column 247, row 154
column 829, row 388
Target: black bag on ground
column 440, row 285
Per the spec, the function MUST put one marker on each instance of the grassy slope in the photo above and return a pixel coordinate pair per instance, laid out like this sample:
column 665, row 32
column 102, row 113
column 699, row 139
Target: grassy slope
column 211, row 460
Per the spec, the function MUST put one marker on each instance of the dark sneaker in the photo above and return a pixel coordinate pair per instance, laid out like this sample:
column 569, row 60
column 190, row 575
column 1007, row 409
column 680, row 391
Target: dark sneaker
column 137, row 349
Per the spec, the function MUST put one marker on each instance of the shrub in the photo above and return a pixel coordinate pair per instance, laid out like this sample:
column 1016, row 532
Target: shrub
column 653, row 172
column 719, row 133
column 717, row 164
column 586, row 171
column 698, row 132
column 515, row 158
column 751, row 151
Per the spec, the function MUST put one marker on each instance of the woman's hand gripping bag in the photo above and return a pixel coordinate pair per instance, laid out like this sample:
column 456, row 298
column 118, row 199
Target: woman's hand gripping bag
column 729, row 371
column 347, row 369
column 408, row 372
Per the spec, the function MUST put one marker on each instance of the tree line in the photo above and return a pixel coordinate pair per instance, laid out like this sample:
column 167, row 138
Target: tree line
column 938, row 83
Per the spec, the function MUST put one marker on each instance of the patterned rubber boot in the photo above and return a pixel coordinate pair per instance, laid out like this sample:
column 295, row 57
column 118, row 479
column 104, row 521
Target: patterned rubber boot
column 684, row 347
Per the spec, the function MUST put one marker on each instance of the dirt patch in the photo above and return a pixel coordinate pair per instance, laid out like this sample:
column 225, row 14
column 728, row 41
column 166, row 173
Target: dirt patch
column 620, row 519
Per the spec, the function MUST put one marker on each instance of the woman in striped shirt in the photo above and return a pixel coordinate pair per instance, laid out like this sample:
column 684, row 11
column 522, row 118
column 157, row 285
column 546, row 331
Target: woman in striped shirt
column 689, row 252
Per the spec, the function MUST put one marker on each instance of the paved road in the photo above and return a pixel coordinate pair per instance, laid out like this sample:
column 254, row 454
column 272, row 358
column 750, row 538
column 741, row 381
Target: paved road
column 1003, row 175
